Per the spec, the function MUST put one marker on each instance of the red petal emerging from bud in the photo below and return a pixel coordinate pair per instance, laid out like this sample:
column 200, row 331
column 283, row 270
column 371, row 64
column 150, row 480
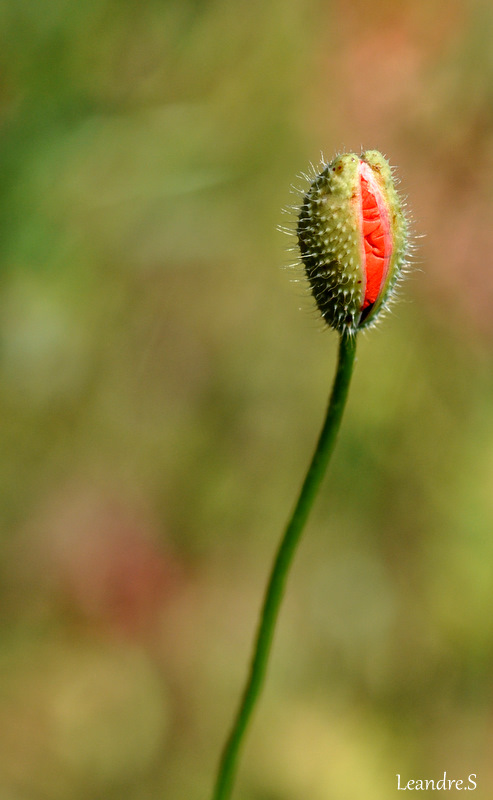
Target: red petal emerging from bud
column 376, row 236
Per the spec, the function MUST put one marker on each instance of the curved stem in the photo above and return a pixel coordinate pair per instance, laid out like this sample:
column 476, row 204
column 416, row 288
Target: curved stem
column 284, row 557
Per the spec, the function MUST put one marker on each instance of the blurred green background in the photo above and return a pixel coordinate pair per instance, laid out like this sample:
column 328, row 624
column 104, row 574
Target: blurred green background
column 161, row 393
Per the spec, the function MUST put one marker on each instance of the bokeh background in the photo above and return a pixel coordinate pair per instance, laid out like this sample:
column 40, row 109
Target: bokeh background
column 161, row 393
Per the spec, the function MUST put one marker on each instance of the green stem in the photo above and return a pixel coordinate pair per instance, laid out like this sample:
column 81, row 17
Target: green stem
column 284, row 557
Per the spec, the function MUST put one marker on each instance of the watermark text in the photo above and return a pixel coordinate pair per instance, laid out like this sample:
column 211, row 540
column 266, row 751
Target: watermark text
column 443, row 784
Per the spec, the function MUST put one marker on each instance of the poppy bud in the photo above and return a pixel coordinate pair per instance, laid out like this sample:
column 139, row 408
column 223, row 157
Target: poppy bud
column 352, row 235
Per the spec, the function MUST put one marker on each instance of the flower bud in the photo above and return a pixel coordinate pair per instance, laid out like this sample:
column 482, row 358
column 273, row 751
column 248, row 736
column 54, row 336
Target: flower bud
column 352, row 235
